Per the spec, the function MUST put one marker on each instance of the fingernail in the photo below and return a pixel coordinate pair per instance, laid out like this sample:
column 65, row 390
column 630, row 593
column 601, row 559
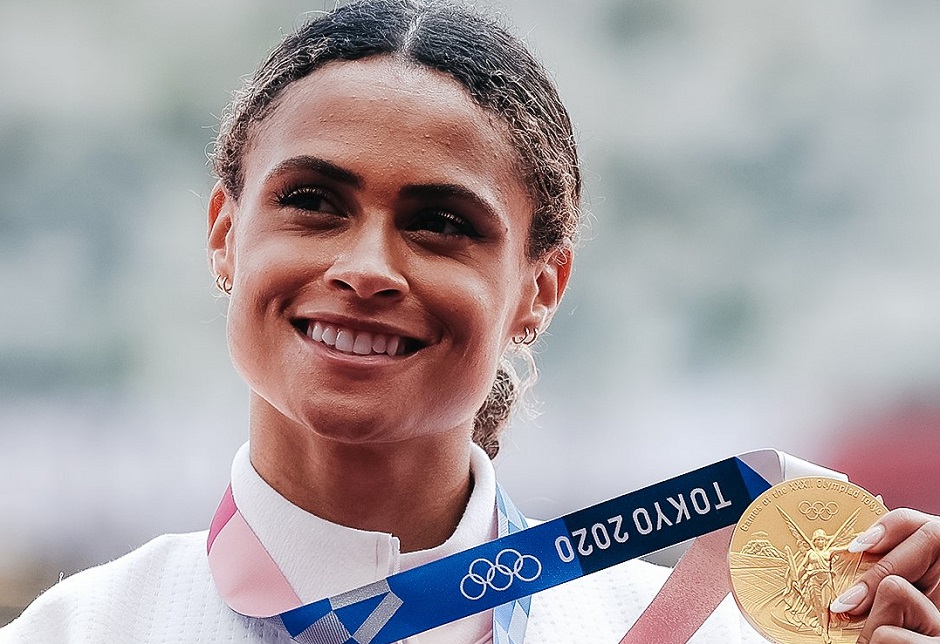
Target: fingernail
column 867, row 539
column 849, row 599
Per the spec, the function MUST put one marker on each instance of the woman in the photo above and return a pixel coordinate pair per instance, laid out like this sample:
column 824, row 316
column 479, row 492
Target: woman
column 397, row 201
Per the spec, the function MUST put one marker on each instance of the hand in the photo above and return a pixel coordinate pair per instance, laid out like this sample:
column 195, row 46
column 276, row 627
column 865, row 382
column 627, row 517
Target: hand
column 901, row 592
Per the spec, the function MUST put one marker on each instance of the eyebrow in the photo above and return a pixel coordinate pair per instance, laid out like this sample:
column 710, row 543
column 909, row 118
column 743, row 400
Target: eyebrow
column 426, row 190
column 318, row 165
column 452, row 191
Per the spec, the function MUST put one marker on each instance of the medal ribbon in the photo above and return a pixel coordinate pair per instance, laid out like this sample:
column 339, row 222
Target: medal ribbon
column 503, row 573
column 251, row 583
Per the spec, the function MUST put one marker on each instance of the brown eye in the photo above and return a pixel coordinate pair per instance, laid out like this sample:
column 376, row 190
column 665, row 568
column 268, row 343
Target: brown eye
column 307, row 198
column 445, row 223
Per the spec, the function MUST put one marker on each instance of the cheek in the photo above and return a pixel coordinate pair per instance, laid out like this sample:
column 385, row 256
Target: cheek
column 477, row 303
column 478, row 317
column 243, row 344
column 253, row 321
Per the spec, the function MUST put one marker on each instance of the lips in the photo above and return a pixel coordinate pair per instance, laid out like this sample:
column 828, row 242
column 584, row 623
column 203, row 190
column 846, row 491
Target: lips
column 358, row 342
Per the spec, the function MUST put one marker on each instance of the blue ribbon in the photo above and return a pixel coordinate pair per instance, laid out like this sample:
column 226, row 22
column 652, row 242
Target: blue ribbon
column 513, row 567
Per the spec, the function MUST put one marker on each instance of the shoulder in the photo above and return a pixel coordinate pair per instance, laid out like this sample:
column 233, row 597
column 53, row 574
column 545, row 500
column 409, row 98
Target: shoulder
column 104, row 598
column 158, row 562
column 602, row 606
column 155, row 593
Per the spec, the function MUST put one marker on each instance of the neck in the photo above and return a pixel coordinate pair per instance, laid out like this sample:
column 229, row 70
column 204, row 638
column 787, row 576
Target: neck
column 415, row 489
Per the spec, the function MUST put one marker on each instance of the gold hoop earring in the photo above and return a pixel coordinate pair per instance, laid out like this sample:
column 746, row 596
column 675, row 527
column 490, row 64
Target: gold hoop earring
column 535, row 336
column 528, row 336
column 223, row 284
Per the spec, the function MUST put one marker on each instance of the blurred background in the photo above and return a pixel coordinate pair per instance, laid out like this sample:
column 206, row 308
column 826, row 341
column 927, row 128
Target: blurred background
column 761, row 267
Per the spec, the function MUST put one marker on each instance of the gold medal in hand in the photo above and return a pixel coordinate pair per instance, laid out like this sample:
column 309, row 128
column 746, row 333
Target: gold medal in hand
column 789, row 559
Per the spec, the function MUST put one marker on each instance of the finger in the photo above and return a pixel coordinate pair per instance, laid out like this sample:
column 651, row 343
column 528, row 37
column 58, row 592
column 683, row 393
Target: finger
column 895, row 635
column 898, row 604
column 916, row 558
column 890, row 530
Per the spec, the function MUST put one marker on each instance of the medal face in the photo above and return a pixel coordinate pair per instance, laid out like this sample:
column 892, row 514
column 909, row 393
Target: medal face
column 789, row 559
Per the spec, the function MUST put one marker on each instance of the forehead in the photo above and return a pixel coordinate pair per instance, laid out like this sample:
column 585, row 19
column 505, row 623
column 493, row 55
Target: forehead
column 383, row 109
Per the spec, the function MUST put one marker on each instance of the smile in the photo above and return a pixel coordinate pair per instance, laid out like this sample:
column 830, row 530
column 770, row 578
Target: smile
column 360, row 343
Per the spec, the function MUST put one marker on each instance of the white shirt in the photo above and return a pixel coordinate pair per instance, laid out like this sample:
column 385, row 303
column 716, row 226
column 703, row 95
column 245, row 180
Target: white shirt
column 163, row 592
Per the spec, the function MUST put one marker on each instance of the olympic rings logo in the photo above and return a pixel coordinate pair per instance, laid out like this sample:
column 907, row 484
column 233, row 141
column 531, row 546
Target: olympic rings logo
column 509, row 564
column 818, row 510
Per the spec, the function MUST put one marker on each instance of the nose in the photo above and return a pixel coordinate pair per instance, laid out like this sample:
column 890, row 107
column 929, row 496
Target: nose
column 368, row 265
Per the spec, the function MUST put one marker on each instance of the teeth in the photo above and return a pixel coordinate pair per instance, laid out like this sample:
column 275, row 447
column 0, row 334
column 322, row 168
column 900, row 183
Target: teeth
column 379, row 342
column 344, row 341
column 360, row 343
column 363, row 344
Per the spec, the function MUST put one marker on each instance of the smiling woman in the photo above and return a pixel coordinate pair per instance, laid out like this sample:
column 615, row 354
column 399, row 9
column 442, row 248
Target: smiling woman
column 483, row 72
column 417, row 233
column 397, row 203
column 346, row 233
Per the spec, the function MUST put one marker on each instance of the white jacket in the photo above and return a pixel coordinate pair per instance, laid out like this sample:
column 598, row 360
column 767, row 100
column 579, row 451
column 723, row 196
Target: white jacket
column 164, row 592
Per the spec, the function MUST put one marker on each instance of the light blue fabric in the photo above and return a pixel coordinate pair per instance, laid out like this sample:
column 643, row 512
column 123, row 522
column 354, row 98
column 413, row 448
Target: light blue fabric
column 510, row 619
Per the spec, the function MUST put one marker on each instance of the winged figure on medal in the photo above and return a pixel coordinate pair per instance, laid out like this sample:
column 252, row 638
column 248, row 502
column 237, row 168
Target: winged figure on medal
column 788, row 586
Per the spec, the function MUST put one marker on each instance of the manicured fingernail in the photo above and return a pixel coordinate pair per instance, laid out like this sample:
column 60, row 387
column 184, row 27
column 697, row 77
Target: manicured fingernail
column 867, row 539
column 849, row 599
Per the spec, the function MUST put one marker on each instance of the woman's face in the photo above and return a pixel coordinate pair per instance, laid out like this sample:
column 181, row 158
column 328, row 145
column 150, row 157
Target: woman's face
column 377, row 255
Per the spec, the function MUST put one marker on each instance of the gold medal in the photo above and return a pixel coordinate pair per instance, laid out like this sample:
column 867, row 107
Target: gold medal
column 789, row 559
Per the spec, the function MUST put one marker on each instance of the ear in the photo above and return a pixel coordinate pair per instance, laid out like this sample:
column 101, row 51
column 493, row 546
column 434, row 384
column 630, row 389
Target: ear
column 551, row 279
column 220, row 242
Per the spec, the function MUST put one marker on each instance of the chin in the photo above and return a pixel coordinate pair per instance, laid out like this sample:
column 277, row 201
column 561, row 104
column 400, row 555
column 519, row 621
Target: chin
column 372, row 429
column 356, row 426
